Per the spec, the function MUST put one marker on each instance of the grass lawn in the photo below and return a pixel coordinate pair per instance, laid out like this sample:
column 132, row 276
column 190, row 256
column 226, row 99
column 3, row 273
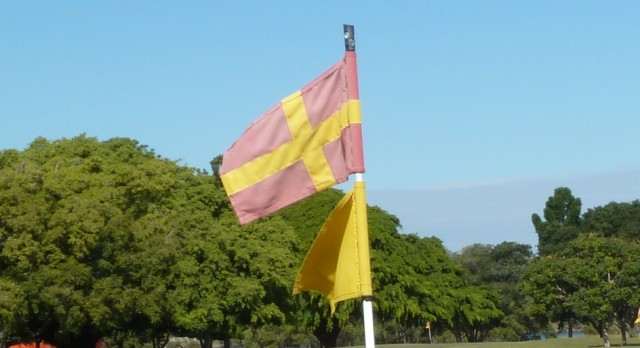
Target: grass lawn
column 575, row 342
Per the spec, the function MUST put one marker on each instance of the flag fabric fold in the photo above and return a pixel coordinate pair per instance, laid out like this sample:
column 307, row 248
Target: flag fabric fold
column 337, row 263
column 308, row 142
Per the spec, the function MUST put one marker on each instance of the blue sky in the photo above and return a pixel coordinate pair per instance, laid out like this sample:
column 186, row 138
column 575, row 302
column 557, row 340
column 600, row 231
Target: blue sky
column 473, row 111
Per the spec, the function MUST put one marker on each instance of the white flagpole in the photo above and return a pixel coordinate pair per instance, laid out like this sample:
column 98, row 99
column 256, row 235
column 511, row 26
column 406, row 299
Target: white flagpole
column 367, row 301
column 367, row 310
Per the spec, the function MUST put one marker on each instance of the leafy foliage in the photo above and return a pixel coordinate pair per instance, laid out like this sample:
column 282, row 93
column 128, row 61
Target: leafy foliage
column 106, row 239
column 613, row 220
column 593, row 275
column 562, row 219
column 499, row 268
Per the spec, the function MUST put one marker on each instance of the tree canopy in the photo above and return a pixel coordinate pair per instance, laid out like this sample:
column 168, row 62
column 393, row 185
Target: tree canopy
column 107, row 240
column 561, row 221
column 587, row 269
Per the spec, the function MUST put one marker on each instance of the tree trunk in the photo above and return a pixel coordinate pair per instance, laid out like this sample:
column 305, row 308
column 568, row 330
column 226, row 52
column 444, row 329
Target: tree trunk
column 458, row 336
column 328, row 340
column 570, row 327
column 472, row 335
column 206, row 342
column 327, row 337
column 623, row 332
column 605, row 336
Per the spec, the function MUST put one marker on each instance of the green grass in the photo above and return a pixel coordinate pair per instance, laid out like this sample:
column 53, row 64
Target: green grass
column 576, row 342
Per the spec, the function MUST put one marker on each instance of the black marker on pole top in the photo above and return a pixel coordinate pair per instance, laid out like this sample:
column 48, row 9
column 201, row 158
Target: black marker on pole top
column 349, row 38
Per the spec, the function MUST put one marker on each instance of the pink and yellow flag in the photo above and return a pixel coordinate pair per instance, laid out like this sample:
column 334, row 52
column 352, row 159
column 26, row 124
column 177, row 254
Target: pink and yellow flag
column 337, row 263
column 308, row 142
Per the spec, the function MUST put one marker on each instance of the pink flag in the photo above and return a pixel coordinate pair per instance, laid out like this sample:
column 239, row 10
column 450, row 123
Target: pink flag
column 309, row 141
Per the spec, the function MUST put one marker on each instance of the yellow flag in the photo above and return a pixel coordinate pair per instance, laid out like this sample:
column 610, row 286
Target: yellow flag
column 338, row 263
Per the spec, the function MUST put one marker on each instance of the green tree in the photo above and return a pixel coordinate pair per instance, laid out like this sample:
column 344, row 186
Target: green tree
column 562, row 220
column 476, row 260
column 594, row 278
column 417, row 282
column 549, row 283
column 88, row 230
column 500, row 268
column 231, row 279
column 606, row 271
column 476, row 313
column 613, row 220
column 108, row 240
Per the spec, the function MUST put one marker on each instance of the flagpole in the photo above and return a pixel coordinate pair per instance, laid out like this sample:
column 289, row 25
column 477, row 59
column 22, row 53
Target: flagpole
column 361, row 205
column 365, row 260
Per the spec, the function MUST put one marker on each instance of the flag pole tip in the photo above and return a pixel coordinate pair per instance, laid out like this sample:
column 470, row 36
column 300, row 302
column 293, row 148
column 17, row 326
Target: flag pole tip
column 349, row 38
